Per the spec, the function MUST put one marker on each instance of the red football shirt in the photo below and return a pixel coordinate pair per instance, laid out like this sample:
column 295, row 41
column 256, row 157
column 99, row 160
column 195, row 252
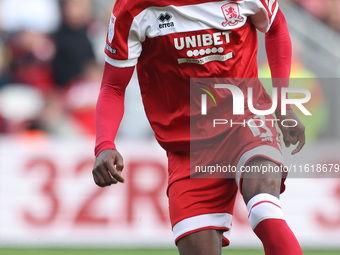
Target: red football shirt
column 173, row 41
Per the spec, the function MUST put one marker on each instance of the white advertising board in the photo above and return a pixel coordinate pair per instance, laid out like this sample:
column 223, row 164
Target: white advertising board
column 48, row 197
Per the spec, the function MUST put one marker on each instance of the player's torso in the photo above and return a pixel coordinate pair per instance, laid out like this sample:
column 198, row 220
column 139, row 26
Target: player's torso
column 198, row 38
column 188, row 39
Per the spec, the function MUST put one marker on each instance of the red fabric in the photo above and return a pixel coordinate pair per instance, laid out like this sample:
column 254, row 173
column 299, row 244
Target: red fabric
column 279, row 53
column 110, row 106
column 225, row 151
column 112, row 94
column 277, row 238
column 269, row 7
column 166, row 63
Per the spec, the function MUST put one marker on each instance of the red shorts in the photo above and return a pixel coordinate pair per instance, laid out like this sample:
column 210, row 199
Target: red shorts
column 207, row 203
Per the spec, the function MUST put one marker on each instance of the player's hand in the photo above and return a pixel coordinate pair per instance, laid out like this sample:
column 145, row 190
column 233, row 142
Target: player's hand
column 108, row 168
column 292, row 135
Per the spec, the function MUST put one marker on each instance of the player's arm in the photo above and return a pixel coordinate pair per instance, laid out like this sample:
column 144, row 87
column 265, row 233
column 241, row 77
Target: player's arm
column 123, row 47
column 279, row 53
column 109, row 113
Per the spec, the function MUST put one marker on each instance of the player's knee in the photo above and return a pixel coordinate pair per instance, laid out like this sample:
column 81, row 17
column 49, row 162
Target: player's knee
column 263, row 180
column 251, row 188
column 268, row 185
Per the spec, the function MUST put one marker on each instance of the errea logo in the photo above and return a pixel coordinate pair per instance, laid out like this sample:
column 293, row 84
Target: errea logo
column 165, row 19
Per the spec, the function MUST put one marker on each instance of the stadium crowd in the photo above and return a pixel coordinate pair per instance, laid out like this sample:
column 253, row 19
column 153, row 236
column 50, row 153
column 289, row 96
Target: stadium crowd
column 50, row 70
column 51, row 61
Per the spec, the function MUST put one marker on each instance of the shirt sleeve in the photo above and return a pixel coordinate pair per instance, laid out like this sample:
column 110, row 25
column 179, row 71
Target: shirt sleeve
column 264, row 13
column 110, row 106
column 123, row 44
column 279, row 54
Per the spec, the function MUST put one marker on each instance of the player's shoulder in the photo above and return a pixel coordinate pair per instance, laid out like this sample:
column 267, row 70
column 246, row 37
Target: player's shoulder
column 137, row 6
column 143, row 4
column 130, row 5
column 268, row 6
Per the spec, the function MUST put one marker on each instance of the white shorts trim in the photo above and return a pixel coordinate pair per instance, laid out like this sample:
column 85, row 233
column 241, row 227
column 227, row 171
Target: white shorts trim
column 219, row 220
column 261, row 151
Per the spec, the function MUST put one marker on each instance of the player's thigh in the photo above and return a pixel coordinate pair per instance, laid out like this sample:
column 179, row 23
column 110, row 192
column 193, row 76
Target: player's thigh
column 198, row 204
column 264, row 176
column 205, row 242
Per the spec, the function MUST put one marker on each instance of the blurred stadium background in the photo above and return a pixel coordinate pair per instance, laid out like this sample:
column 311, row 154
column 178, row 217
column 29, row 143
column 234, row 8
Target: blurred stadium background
column 51, row 60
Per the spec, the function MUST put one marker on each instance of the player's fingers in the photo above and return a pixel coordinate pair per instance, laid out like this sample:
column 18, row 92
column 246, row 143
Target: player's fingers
column 95, row 178
column 298, row 148
column 287, row 138
column 115, row 173
column 119, row 164
column 99, row 180
column 107, row 176
column 287, row 142
column 300, row 131
column 293, row 137
column 302, row 141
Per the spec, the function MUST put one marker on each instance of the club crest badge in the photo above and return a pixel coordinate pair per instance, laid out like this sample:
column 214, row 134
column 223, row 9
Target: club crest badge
column 232, row 15
column 111, row 28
